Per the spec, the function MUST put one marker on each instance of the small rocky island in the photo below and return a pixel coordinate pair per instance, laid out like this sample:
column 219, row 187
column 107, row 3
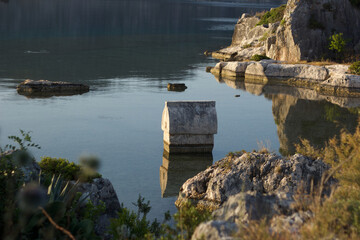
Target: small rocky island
column 45, row 88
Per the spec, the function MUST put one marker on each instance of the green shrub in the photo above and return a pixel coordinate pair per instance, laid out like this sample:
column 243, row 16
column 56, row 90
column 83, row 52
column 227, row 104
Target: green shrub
column 246, row 46
column 355, row 68
column 189, row 217
column 258, row 57
column 59, row 166
column 272, row 16
column 132, row 225
column 337, row 43
column 68, row 170
column 338, row 216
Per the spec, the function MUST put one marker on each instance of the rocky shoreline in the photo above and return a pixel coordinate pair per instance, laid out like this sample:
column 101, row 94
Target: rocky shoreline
column 251, row 186
column 333, row 80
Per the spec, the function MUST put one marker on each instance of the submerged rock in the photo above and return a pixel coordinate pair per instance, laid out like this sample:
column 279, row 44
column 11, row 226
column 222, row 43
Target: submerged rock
column 176, row 87
column 45, row 88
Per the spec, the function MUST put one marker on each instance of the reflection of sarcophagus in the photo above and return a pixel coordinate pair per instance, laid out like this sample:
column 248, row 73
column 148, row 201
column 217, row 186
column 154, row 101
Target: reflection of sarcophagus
column 177, row 168
column 189, row 126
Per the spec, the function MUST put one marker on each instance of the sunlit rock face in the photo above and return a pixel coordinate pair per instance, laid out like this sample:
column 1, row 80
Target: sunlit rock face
column 307, row 26
column 302, row 34
column 316, row 121
column 177, row 168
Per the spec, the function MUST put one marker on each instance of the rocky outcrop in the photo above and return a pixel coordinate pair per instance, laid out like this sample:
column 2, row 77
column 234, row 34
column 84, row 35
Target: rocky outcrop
column 263, row 173
column 101, row 190
column 253, row 186
column 285, row 40
column 45, row 88
column 327, row 80
column 248, row 39
column 317, row 20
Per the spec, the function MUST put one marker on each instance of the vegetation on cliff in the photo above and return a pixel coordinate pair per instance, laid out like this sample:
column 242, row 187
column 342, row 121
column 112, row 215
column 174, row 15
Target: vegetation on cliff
column 355, row 68
column 272, row 16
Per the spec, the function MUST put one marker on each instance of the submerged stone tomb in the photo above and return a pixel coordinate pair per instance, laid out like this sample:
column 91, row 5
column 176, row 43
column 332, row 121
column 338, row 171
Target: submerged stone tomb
column 189, row 126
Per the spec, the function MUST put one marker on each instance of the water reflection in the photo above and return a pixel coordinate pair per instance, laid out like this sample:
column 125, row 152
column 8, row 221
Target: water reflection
column 177, row 168
column 301, row 113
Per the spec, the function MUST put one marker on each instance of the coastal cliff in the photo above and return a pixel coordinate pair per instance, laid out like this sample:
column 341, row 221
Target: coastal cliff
column 301, row 32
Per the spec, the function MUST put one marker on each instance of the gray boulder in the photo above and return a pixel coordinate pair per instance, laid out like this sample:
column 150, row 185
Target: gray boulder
column 253, row 186
column 264, row 173
column 101, row 189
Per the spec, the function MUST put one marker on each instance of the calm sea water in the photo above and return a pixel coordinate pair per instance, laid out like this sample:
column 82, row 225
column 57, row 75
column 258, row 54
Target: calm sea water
column 127, row 51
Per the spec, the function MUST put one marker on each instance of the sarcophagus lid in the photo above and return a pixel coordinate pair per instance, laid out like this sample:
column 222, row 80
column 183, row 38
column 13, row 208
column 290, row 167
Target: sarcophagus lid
column 189, row 117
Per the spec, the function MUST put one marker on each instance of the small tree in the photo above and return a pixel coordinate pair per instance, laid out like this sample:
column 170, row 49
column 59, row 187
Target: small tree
column 337, row 44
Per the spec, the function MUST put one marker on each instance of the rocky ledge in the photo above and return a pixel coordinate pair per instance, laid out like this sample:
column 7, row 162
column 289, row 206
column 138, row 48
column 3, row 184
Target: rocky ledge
column 251, row 186
column 331, row 80
column 45, row 88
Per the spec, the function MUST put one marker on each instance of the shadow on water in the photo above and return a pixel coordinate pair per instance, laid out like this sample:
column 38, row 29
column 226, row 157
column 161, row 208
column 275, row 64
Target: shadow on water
column 177, row 168
column 301, row 113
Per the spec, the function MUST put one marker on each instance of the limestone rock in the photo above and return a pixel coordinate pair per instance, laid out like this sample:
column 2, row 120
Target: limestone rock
column 303, row 71
column 253, row 186
column 300, row 15
column 265, row 173
column 291, row 223
column 303, row 33
column 215, row 230
column 248, row 40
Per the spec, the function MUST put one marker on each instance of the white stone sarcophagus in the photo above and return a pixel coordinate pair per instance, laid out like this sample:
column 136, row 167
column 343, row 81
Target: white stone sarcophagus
column 189, row 126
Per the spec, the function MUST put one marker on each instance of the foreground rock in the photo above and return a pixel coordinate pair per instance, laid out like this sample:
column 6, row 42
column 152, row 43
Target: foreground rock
column 101, row 190
column 285, row 41
column 251, row 186
column 333, row 80
column 45, row 88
